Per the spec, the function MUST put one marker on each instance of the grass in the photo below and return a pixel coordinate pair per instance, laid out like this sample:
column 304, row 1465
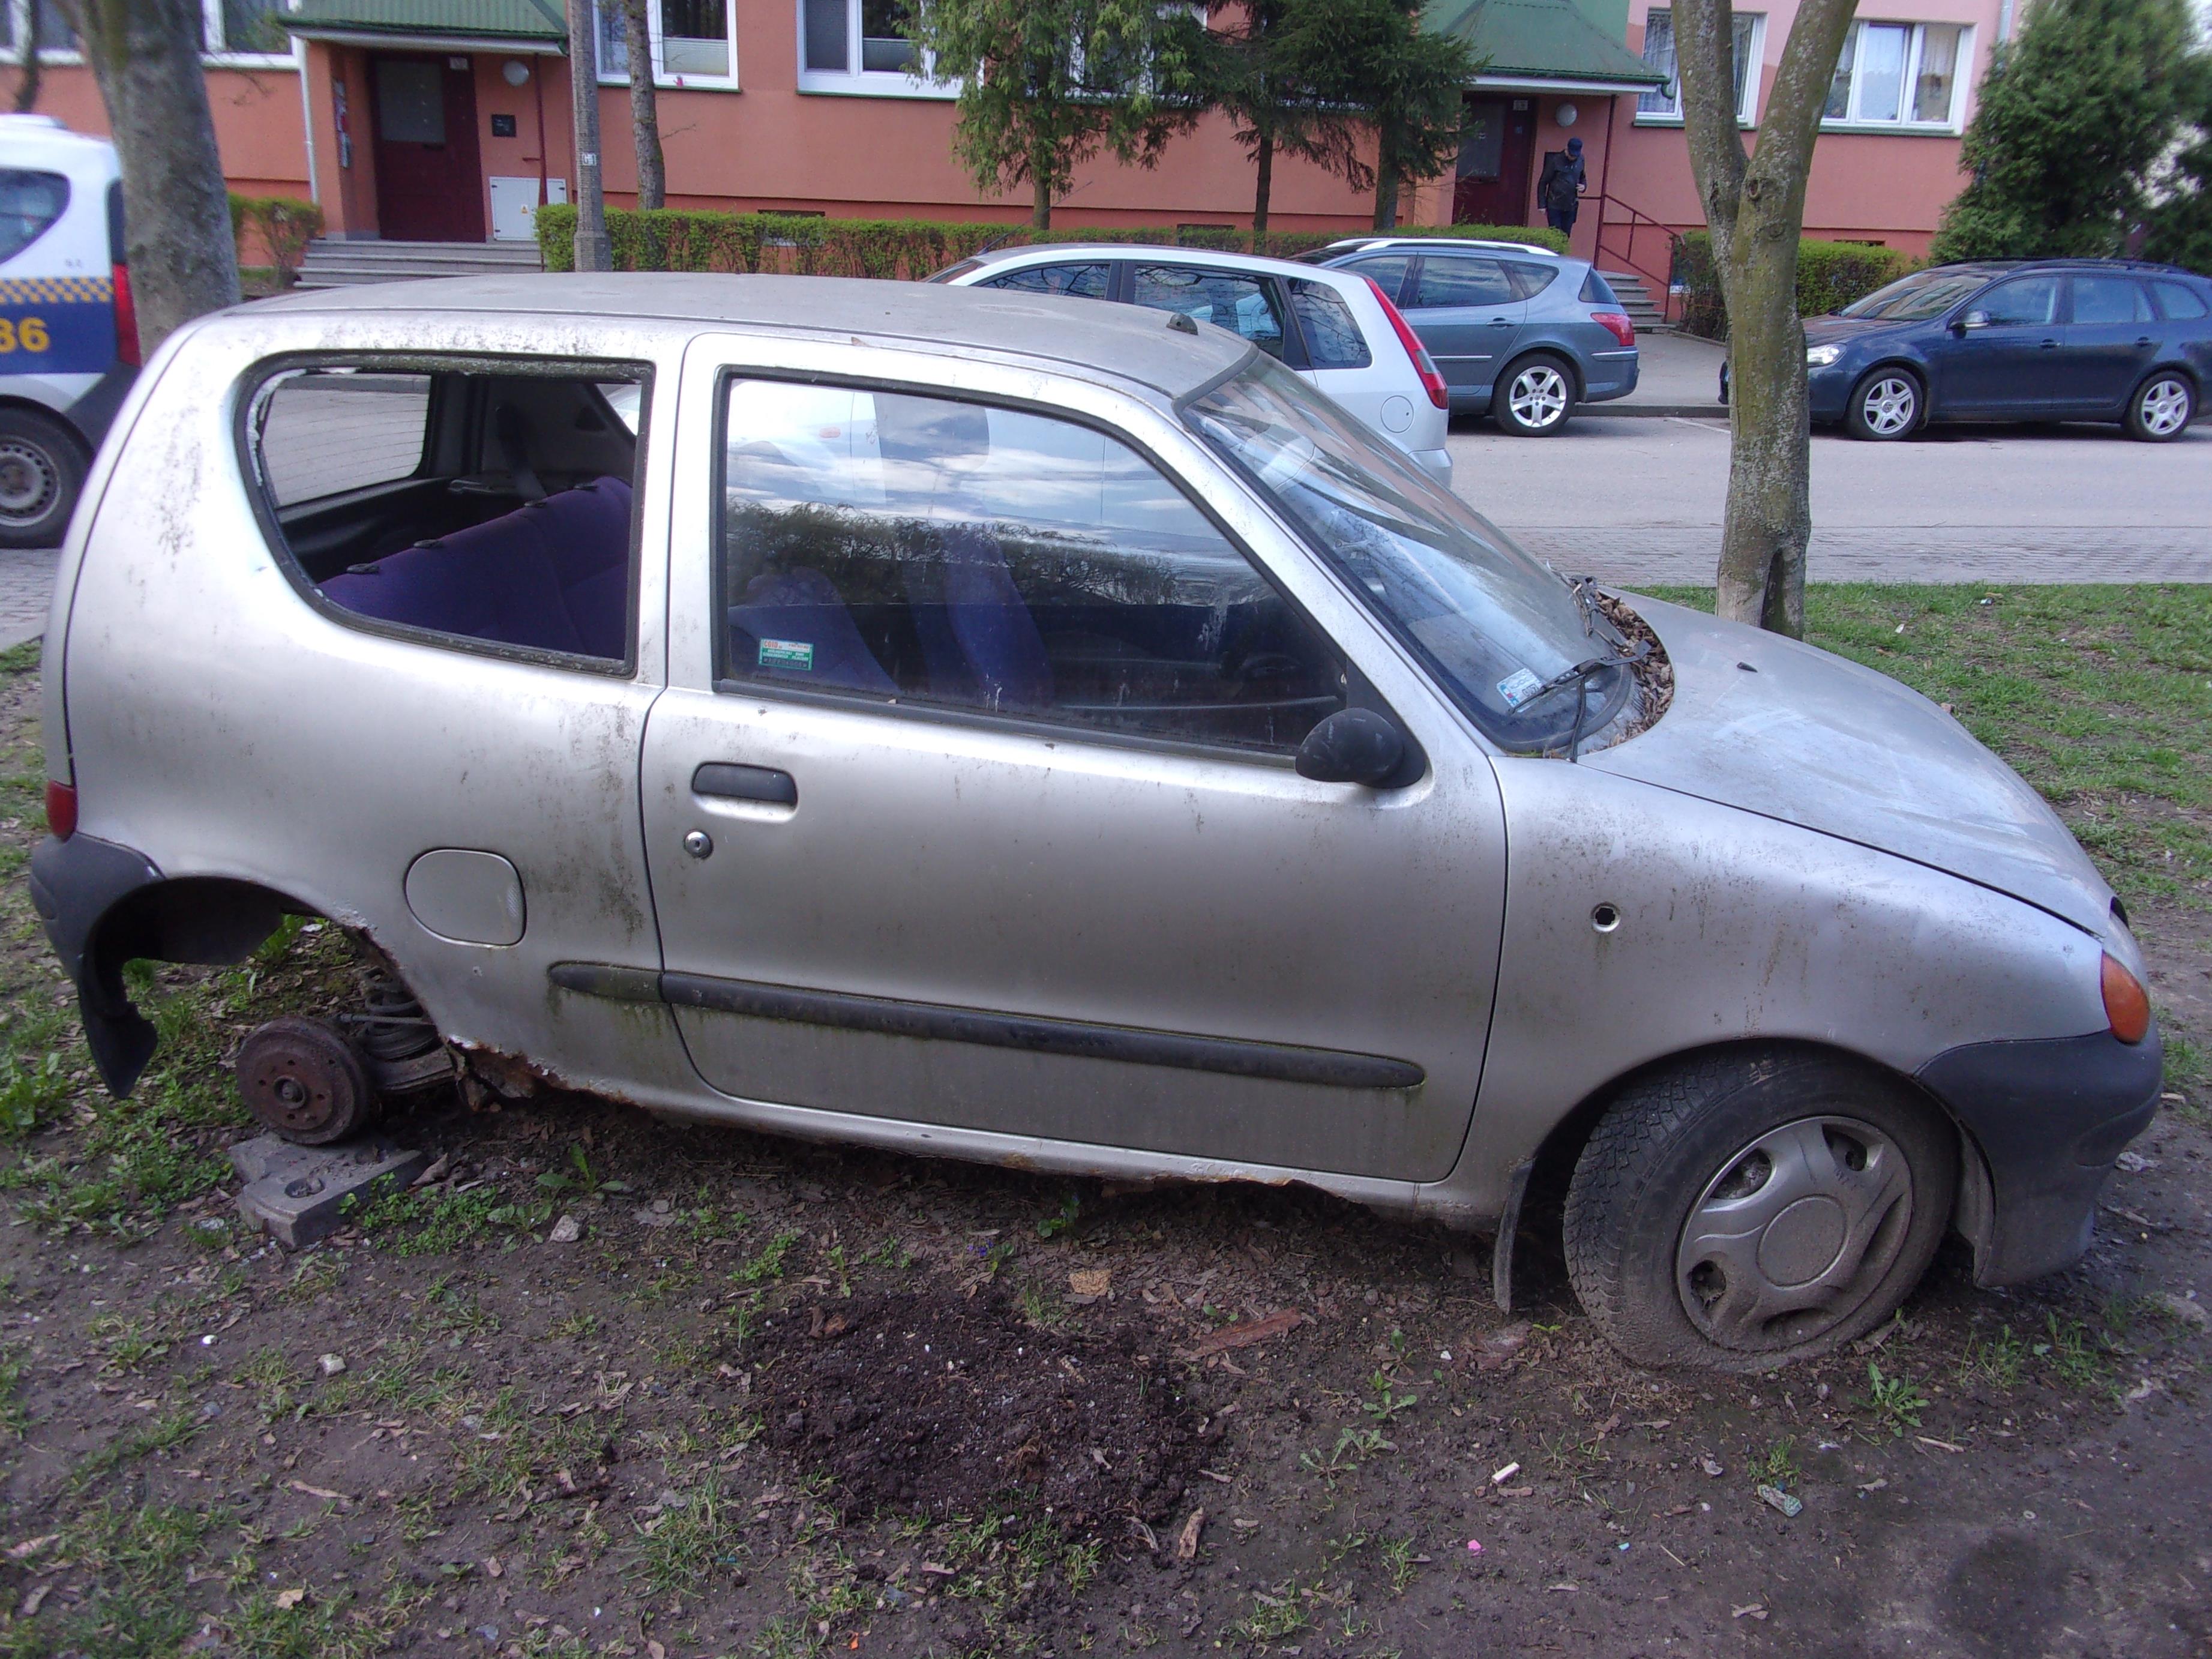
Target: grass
column 2097, row 696
column 1895, row 1402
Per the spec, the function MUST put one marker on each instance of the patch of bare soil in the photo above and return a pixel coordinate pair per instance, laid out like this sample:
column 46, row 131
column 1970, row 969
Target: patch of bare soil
column 960, row 1406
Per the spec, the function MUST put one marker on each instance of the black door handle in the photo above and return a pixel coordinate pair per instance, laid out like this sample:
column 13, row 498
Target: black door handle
column 2143, row 343
column 2051, row 345
column 727, row 781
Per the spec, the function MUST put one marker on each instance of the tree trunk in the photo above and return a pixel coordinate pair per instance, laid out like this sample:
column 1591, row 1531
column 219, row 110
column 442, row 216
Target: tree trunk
column 1265, row 158
column 1041, row 199
column 27, row 88
column 1386, row 196
column 145, row 56
column 1755, row 208
column 593, row 251
column 645, row 108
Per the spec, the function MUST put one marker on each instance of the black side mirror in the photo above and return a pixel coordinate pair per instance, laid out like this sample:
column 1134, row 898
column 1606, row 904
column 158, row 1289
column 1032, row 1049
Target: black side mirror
column 1353, row 745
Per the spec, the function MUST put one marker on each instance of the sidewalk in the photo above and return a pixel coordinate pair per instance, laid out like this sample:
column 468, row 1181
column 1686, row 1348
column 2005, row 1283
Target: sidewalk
column 1676, row 374
column 26, row 587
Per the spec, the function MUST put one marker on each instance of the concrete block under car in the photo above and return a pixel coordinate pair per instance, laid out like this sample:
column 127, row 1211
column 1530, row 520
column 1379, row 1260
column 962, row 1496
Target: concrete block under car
column 299, row 1192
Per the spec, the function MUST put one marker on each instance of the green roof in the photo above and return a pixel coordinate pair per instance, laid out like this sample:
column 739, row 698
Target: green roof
column 1543, row 40
column 499, row 19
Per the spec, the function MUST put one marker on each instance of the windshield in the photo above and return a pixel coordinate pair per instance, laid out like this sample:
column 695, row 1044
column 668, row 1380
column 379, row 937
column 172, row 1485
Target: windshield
column 1497, row 628
column 1916, row 298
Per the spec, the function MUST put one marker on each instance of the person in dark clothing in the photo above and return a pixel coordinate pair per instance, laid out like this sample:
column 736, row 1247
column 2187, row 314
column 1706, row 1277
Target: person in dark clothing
column 1561, row 187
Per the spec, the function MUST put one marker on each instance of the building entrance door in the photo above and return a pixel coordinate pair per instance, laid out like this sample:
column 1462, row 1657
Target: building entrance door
column 1493, row 162
column 430, row 187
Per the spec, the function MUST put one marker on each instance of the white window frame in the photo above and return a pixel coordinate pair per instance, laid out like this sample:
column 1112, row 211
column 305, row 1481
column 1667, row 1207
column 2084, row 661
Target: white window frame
column 19, row 14
column 851, row 82
column 1954, row 121
column 1746, row 103
column 216, row 54
column 662, row 78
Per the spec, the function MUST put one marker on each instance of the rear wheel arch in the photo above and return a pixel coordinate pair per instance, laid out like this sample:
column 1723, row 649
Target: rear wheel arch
column 2132, row 413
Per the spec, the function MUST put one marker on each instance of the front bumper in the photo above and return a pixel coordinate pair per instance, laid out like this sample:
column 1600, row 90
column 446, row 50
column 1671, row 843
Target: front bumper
column 2049, row 1117
column 1830, row 392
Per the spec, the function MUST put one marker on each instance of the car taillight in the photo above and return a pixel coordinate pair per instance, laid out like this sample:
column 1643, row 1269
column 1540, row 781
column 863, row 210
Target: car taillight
column 1432, row 382
column 2127, row 1004
column 61, row 809
column 1616, row 323
column 126, row 318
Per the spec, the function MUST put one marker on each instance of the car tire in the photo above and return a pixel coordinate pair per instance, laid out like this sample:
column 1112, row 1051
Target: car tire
column 42, row 468
column 1841, row 1180
column 1888, row 403
column 1533, row 397
column 2160, row 409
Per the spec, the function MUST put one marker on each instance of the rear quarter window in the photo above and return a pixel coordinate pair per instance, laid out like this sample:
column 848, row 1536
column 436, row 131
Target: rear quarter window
column 1596, row 291
column 1528, row 281
column 1332, row 336
column 2180, row 301
column 29, row 204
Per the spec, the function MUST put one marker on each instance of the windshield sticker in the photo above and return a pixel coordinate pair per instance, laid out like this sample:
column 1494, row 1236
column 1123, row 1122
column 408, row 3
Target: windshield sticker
column 792, row 653
column 1515, row 688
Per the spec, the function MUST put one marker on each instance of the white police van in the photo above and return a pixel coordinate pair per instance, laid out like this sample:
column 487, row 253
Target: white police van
column 68, row 342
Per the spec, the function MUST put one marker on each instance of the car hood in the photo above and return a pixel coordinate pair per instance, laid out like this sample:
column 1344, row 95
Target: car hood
column 1839, row 331
column 1817, row 741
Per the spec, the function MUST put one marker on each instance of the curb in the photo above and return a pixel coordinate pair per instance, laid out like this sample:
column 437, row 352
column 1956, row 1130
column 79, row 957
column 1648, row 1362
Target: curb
column 1612, row 411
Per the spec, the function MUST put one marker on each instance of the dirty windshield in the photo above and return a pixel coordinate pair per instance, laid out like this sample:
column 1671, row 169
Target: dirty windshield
column 1916, row 298
column 1503, row 632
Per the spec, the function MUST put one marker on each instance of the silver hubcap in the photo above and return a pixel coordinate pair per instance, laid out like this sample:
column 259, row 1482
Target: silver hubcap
column 2165, row 407
column 1538, row 396
column 29, row 481
column 1888, row 406
column 1793, row 1234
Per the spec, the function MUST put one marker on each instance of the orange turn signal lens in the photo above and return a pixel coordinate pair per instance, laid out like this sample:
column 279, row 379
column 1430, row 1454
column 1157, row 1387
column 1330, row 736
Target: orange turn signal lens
column 2127, row 1004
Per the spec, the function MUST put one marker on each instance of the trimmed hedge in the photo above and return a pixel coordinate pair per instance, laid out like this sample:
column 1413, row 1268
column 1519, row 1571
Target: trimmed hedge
column 284, row 226
column 904, row 249
column 1830, row 275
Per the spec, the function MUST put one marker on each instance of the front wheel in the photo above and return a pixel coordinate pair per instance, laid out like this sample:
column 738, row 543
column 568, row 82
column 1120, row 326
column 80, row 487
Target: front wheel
column 42, row 468
column 1738, row 1212
column 1533, row 400
column 1886, row 406
column 2161, row 409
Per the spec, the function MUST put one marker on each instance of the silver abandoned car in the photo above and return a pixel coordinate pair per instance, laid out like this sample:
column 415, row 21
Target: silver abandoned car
column 1001, row 727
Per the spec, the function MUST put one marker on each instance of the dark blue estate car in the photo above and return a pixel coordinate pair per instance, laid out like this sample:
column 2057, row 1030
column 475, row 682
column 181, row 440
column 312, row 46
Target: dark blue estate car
column 2033, row 340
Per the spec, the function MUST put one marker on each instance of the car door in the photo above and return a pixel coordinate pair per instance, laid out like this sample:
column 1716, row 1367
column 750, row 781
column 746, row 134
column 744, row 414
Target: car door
column 2108, row 340
column 971, row 811
column 2000, row 358
column 1468, row 315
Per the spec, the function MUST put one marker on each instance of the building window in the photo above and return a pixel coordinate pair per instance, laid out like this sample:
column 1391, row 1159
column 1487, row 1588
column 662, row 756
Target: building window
column 692, row 44
column 246, row 28
column 1664, row 103
column 862, row 45
column 1900, row 75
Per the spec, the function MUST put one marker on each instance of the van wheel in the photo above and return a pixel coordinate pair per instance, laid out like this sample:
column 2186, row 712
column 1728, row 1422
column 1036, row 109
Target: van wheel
column 1742, row 1211
column 1533, row 397
column 42, row 467
column 1888, row 405
column 2161, row 409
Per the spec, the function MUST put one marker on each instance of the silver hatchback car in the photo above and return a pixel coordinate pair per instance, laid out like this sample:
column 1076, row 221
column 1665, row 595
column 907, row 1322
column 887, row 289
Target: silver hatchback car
column 1006, row 727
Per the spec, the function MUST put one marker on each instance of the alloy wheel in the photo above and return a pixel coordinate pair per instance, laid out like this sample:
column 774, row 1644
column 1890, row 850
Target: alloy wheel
column 1538, row 397
column 2164, row 408
column 29, row 482
column 1888, row 406
column 1794, row 1233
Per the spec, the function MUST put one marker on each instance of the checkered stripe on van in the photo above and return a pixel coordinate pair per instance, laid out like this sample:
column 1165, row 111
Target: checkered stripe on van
column 56, row 290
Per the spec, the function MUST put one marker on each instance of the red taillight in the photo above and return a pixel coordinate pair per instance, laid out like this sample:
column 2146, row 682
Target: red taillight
column 1432, row 382
column 1616, row 323
column 61, row 809
column 126, row 318
column 2127, row 1004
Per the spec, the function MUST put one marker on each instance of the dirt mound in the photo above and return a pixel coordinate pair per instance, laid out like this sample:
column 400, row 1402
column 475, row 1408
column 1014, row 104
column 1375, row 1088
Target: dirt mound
column 953, row 1408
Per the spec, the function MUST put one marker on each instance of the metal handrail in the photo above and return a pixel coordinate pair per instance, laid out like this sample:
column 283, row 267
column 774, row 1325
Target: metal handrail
column 1636, row 220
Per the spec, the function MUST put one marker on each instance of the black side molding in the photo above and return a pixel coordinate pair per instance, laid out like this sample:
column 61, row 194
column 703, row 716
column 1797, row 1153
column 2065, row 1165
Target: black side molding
column 1080, row 1039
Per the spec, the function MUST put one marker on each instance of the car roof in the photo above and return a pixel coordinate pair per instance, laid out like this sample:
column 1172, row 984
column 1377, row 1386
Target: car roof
column 2005, row 267
column 1440, row 245
column 40, row 141
column 1156, row 253
column 1125, row 342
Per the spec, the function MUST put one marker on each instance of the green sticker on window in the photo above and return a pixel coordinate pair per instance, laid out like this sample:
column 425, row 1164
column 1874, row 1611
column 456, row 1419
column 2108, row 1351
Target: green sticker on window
column 788, row 653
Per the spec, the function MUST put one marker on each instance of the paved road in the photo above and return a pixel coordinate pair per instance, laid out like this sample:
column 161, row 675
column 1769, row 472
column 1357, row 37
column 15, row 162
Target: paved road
column 26, row 583
column 1640, row 500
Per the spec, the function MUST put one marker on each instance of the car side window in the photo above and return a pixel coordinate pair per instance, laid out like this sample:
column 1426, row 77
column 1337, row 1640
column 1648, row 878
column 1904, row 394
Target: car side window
column 1332, row 332
column 1457, row 280
column 2178, row 301
column 1528, row 280
column 1386, row 272
column 910, row 548
column 2026, row 301
column 473, row 505
column 29, row 203
column 1227, row 298
column 1078, row 282
column 2110, row 300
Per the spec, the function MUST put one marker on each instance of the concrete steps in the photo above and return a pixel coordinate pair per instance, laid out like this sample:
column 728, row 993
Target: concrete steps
column 331, row 262
column 1636, row 300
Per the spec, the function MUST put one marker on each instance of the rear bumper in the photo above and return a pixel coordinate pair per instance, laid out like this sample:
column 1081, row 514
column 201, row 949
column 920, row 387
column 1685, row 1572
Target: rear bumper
column 1437, row 463
column 2049, row 1117
column 1609, row 375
